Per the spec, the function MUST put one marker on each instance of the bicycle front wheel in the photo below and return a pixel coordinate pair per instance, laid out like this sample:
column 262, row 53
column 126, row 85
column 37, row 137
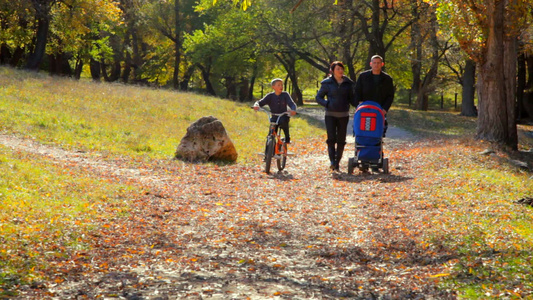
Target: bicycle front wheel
column 269, row 154
column 283, row 159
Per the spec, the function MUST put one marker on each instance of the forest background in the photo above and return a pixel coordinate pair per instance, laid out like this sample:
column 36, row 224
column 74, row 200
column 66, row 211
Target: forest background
column 437, row 51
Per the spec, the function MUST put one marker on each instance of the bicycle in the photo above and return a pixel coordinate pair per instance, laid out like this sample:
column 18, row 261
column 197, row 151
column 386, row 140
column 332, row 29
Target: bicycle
column 276, row 147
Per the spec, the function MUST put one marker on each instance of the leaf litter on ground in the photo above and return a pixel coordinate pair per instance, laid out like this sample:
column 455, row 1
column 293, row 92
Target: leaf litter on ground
column 203, row 230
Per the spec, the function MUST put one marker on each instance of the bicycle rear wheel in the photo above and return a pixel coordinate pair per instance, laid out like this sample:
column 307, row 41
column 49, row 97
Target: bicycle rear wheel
column 283, row 159
column 269, row 154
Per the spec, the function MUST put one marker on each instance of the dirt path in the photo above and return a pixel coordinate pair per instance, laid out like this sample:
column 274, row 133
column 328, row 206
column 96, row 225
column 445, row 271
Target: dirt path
column 233, row 232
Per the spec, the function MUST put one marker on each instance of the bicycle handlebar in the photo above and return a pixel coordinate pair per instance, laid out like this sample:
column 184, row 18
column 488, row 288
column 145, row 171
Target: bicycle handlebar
column 270, row 114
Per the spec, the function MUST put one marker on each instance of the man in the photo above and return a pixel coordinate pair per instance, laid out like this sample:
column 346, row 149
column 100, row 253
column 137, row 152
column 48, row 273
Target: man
column 375, row 85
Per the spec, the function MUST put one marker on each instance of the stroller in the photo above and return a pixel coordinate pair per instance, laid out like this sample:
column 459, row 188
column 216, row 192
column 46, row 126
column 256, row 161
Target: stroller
column 368, row 127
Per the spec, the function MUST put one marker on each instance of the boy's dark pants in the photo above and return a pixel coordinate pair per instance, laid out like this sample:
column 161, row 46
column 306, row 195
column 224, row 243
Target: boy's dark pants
column 336, row 130
column 283, row 124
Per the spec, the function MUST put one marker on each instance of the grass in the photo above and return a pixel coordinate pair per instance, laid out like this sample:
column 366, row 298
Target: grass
column 45, row 212
column 432, row 123
column 122, row 120
column 488, row 233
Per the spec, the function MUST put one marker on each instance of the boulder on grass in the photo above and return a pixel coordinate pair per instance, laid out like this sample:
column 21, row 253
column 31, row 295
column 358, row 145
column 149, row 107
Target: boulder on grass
column 206, row 139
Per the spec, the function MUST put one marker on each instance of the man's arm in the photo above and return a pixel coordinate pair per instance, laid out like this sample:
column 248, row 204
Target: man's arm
column 389, row 97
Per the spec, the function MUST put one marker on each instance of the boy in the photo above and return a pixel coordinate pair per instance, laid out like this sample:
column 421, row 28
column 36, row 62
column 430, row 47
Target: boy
column 278, row 102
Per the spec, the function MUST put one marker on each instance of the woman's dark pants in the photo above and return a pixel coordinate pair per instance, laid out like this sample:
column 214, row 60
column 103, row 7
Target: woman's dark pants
column 336, row 130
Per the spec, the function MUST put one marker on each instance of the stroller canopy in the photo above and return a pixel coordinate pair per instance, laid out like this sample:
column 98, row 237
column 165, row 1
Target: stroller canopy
column 369, row 123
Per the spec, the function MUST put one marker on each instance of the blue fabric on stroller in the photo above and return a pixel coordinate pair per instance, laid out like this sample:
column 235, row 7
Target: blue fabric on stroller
column 368, row 126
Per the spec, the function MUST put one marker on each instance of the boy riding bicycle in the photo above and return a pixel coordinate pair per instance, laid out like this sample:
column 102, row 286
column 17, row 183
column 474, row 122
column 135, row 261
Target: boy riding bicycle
column 278, row 102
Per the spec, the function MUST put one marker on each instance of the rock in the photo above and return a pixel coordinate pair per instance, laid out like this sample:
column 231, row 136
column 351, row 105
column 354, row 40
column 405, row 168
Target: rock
column 206, row 139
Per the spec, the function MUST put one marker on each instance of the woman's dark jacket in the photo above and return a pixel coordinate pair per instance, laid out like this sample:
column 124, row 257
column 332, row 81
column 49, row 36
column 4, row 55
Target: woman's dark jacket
column 365, row 89
column 339, row 96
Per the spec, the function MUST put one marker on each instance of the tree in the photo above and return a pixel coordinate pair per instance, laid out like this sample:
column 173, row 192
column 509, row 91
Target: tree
column 172, row 21
column 16, row 23
column 381, row 14
column 423, row 32
column 464, row 70
column 488, row 31
column 78, row 31
column 43, row 17
column 224, row 50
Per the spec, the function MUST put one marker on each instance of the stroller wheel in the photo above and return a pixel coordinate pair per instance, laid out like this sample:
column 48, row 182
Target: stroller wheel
column 386, row 165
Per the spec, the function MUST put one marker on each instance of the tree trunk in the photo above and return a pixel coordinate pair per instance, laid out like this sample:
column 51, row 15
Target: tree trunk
column 95, row 68
column 529, row 63
column 231, row 88
column 468, row 83
column 205, row 75
column 35, row 59
column 528, row 96
column 492, row 122
column 17, row 57
column 58, row 64
column 53, row 64
column 127, row 61
column 422, row 100
column 184, row 84
column 296, row 92
column 416, row 45
column 509, row 64
column 136, row 51
column 115, row 71
column 5, row 54
column 520, row 86
column 346, row 24
column 177, row 45
column 251, row 88
column 244, row 85
column 289, row 63
column 78, row 68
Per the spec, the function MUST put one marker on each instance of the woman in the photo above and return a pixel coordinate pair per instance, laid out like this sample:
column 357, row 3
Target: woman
column 338, row 89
